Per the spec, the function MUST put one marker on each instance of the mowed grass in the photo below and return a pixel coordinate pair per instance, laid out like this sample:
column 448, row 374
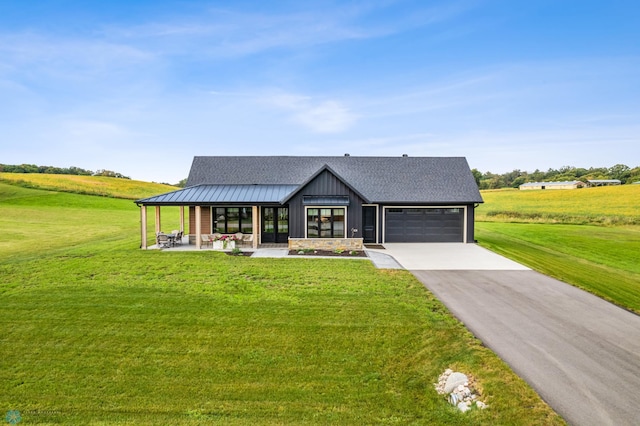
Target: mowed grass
column 95, row 331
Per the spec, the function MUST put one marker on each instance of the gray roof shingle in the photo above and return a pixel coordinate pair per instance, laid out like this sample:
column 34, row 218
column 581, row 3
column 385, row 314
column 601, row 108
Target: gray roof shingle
column 379, row 179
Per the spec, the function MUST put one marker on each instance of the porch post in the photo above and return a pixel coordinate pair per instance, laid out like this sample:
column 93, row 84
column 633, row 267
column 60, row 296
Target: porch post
column 182, row 219
column 158, row 227
column 143, row 227
column 198, row 227
column 256, row 225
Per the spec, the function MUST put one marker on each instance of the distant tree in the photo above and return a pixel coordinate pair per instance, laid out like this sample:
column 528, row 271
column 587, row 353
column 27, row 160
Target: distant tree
column 536, row 176
column 519, row 181
column 509, row 178
column 477, row 175
column 109, row 173
column 620, row 172
column 492, row 181
column 517, row 177
column 183, row 183
column 23, row 168
column 78, row 171
column 579, row 172
column 32, row 168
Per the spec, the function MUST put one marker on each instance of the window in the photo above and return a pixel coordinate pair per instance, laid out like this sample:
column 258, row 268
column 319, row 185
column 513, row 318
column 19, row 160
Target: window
column 326, row 223
column 246, row 220
column 229, row 220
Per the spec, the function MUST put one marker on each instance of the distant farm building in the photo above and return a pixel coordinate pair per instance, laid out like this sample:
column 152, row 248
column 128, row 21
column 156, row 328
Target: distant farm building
column 574, row 184
column 603, row 182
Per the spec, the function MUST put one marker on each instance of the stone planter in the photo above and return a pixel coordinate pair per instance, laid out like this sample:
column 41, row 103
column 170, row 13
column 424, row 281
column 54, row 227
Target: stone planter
column 331, row 244
column 224, row 245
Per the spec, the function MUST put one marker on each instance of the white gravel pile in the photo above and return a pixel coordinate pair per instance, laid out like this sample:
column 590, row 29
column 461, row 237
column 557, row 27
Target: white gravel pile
column 456, row 386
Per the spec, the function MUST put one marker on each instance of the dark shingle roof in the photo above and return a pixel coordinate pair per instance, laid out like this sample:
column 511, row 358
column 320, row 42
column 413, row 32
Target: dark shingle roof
column 378, row 179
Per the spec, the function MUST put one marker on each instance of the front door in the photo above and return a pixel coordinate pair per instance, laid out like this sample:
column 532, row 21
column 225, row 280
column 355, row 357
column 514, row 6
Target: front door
column 275, row 224
column 369, row 224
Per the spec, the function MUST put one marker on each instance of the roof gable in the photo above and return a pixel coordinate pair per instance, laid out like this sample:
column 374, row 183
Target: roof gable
column 323, row 169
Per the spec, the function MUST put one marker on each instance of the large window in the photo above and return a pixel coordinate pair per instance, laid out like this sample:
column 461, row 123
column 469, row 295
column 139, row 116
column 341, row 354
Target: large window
column 325, row 223
column 229, row 220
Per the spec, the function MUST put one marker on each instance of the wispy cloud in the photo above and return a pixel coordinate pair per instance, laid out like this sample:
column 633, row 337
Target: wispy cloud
column 319, row 116
column 28, row 49
column 229, row 32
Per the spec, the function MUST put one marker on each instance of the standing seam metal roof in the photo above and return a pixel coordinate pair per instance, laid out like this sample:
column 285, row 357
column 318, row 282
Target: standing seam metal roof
column 223, row 194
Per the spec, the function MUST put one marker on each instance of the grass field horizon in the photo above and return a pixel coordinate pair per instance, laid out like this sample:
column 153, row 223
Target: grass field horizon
column 88, row 185
column 603, row 206
column 97, row 331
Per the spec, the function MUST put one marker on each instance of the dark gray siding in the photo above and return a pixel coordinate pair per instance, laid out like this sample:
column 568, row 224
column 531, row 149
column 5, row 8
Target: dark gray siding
column 325, row 184
column 471, row 212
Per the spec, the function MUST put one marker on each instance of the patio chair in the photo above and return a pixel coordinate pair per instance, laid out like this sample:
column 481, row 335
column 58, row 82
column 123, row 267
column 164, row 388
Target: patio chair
column 178, row 237
column 247, row 240
column 206, row 240
column 162, row 240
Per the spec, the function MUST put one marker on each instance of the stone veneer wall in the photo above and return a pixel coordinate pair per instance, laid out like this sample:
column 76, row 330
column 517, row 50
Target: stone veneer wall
column 325, row 243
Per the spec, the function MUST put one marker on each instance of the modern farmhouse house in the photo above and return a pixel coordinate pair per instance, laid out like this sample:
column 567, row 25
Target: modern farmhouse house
column 284, row 199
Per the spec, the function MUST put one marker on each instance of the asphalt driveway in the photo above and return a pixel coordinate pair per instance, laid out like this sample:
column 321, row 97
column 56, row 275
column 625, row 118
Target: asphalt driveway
column 579, row 352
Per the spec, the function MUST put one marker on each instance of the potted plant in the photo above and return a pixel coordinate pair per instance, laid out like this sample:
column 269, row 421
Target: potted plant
column 224, row 242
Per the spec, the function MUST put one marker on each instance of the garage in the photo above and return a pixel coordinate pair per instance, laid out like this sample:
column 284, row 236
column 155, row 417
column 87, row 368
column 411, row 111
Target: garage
column 424, row 225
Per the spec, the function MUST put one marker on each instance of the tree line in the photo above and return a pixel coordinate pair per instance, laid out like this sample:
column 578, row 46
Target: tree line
column 486, row 180
column 32, row 168
column 515, row 178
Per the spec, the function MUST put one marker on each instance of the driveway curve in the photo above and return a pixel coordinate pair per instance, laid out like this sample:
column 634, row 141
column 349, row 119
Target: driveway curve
column 579, row 352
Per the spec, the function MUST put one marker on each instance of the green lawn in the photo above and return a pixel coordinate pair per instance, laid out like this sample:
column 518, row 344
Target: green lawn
column 95, row 331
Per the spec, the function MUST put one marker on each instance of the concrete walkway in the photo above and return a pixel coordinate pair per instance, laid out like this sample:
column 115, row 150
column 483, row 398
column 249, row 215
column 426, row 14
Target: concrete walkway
column 579, row 352
column 379, row 258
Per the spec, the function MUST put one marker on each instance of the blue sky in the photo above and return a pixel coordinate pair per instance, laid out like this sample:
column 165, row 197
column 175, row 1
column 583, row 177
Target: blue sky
column 140, row 86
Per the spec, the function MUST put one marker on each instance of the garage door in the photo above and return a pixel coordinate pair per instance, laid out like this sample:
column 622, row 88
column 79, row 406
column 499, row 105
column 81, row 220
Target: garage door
column 423, row 225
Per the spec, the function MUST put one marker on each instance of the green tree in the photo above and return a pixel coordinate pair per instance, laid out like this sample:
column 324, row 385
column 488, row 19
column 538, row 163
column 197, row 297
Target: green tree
column 621, row 172
column 477, row 175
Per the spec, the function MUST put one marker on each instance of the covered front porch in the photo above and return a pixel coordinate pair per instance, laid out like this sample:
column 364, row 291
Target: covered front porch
column 253, row 210
column 204, row 226
column 252, row 215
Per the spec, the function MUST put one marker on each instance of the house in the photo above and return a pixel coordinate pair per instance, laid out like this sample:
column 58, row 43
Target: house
column 603, row 182
column 574, row 184
column 320, row 200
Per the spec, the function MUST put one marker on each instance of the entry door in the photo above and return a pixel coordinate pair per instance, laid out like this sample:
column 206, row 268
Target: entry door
column 369, row 224
column 275, row 224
